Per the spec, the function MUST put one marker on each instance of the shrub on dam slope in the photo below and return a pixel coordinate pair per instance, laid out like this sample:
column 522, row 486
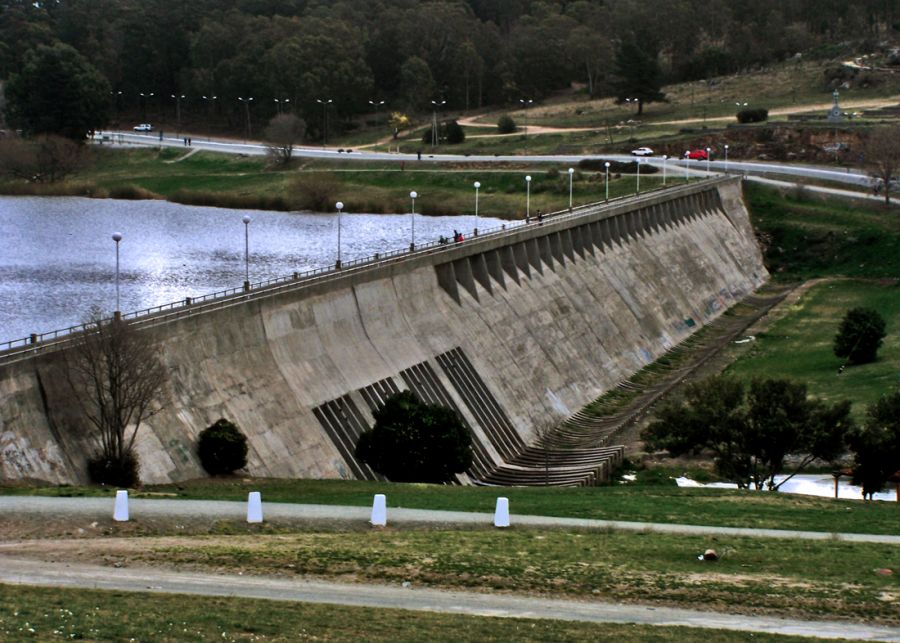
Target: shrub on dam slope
column 416, row 442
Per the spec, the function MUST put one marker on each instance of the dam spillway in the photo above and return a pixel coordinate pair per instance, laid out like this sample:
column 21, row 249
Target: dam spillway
column 515, row 330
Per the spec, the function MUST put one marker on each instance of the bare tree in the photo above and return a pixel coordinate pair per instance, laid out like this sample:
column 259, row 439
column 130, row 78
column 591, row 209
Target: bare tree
column 882, row 156
column 44, row 159
column 116, row 374
column 283, row 132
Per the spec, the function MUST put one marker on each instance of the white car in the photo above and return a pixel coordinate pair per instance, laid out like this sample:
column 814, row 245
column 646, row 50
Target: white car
column 143, row 127
column 642, row 151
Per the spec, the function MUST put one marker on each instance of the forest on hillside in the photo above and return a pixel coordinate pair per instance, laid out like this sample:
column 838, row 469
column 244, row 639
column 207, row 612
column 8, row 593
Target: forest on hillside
column 196, row 58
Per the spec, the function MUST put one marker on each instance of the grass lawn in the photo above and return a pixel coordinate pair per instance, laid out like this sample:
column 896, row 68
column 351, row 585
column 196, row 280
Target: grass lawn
column 28, row 613
column 774, row 576
column 806, row 333
column 206, row 178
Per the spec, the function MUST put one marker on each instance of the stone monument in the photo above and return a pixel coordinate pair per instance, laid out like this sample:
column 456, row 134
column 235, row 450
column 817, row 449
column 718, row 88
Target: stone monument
column 834, row 114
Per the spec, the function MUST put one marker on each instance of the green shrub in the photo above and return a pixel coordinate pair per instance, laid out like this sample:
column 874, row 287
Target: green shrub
column 121, row 472
column 859, row 335
column 222, row 448
column 755, row 115
column 506, row 124
column 449, row 132
column 416, row 442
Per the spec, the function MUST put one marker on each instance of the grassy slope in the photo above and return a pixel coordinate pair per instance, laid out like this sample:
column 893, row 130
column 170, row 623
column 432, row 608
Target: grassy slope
column 373, row 188
column 808, row 239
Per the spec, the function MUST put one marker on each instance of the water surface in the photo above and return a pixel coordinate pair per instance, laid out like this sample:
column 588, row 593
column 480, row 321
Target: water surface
column 57, row 257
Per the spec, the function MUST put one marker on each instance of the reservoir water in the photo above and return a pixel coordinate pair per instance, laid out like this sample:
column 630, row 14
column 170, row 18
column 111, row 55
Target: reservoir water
column 58, row 259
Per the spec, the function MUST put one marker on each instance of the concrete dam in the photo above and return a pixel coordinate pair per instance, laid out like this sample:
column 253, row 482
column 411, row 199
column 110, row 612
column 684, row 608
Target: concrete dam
column 516, row 330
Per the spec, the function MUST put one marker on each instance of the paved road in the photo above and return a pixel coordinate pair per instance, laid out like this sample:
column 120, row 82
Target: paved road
column 27, row 572
column 273, row 511
column 673, row 167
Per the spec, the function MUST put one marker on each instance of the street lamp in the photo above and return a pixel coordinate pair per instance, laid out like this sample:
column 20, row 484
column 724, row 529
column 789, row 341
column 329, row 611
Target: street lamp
column 708, row 150
column 340, row 206
column 606, row 165
column 281, row 103
column 571, row 174
column 687, row 160
column 665, row 158
column 526, row 102
column 726, row 158
column 178, row 98
column 246, row 102
column 144, row 98
column 375, row 105
column 246, row 219
column 324, row 103
column 477, row 185
column 637, row 163
column 117, row 237
column 527, row 197
column 412, row 221
column 435, row 105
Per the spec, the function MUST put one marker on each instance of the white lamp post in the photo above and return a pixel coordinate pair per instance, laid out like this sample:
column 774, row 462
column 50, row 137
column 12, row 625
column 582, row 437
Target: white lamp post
column 246, row 219
column 637, row 162
column 527, row 197
column 412, row 221
column 665, row 158
column 686, row 175
column 726, row 158
column 324, row 103
column 708, row 151
column 117, row 237
column 340, row 206
column 606, row 165
column 477, row 185
column 571, row 174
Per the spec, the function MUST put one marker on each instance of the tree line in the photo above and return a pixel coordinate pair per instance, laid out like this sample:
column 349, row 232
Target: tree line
column 193, row 60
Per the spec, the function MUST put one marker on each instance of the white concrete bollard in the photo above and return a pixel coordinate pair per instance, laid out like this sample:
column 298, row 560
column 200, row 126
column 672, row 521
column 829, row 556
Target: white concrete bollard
column 120, row 512
column 254, row 507
column 379, row 511
column 501, row 514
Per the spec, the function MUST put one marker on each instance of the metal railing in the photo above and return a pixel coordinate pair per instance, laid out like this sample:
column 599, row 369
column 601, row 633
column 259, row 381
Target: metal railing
column 40, row 342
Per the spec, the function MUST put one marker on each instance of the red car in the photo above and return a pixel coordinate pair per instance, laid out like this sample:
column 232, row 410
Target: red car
column 696, row 155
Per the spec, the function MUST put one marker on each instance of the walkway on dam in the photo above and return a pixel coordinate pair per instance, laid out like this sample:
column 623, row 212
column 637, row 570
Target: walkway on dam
column 157, row 581
column 275, row 511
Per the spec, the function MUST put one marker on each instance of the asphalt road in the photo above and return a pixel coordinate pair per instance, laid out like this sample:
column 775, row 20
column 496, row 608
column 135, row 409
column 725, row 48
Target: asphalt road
column 673, row 167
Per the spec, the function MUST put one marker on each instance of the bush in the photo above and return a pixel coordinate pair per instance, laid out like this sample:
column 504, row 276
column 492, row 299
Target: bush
column 416, row 442
column 859, row 335
column 449, row 132
column 123, row 472
column 316, row 191
column 627, row 167
column 757, row 115
column 222, row 448
column 506, row 124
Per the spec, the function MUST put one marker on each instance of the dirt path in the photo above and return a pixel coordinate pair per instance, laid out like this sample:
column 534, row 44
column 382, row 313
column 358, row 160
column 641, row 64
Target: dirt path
column 70, row 575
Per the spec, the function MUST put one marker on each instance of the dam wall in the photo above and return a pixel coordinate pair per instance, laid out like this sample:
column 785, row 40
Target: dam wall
column 516, row 330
